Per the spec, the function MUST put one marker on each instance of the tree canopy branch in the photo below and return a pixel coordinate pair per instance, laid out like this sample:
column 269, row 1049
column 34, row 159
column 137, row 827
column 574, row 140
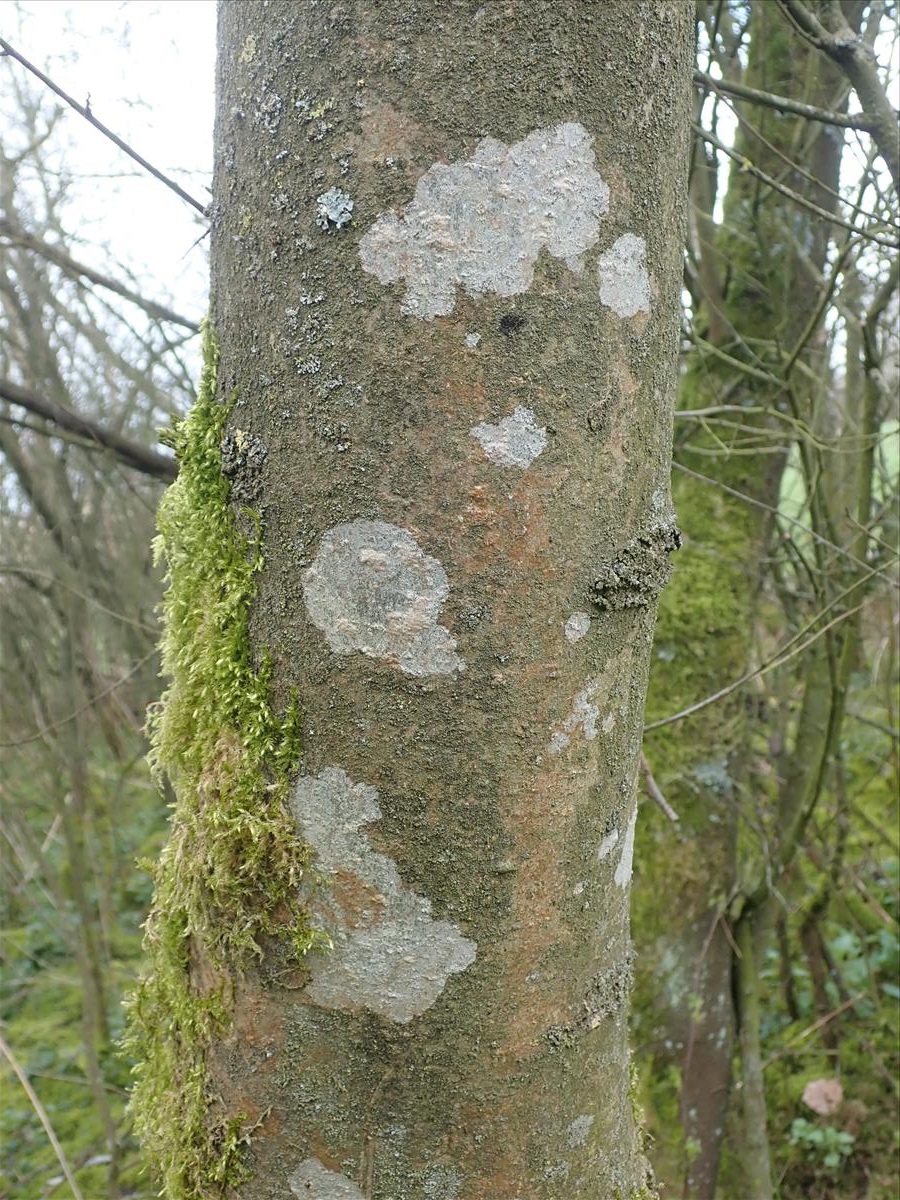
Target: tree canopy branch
column 747, row 165
column 856, row 60
column 75, row 269
column 862, row 121
column 131, row 453
column 84, row 111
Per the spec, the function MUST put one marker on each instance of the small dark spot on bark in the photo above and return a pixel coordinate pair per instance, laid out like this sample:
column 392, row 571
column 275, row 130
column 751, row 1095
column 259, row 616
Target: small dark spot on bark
column 511, row 323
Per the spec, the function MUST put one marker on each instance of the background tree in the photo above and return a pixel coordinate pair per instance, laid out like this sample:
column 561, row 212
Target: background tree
column 747, row 764
column 88, row 370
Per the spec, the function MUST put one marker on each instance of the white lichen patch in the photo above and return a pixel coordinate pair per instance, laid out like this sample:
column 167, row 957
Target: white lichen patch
column 516, row 441
column 442, row 1183
column 389, row 954
column 583, row 716
column 248, row 50
column 577, row 626
column 472, row 340
column 372, row 588
column 313, row 1181
column 608, row 844
column 576, row 1134
column 623, row 871
column 480, row 224
column 334, row 210
column 624, row 282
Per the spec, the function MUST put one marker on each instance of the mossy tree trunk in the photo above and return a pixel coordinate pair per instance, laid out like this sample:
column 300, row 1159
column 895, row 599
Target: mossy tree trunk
column 761, row 286
column 446, row 271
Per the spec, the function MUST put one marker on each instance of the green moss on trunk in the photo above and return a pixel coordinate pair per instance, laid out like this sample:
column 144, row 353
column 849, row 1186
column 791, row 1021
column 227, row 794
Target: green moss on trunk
column 229, row 877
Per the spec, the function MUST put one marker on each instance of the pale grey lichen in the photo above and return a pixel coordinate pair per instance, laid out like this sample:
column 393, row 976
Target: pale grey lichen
column 442, row 1183
column 577, row 626
column 583, row 716
column 608, row 844
column 578, row 1130
column 313, row 1181
column 268, row 111
column 334, row 210
column 480, row 224
column 516, row 441
column 372, row 588
column 624, row 282
column 389, row 955
column 623, row 871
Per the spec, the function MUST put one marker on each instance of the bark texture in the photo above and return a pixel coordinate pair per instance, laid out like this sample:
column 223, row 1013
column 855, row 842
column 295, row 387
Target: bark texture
column 446, row 270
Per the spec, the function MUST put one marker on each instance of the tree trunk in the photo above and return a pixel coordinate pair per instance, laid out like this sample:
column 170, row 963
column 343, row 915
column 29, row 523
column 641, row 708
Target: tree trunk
column 705, row 637
column 446, row 273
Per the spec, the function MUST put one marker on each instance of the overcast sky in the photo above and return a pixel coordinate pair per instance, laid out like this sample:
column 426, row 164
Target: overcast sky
column 148, row 67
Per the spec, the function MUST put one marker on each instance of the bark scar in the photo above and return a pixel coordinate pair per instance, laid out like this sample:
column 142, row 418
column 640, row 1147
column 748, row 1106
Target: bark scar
column 636, row 574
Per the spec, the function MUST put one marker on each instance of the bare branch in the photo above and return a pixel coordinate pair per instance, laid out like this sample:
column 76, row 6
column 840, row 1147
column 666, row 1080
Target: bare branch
column 863, row 121
column 654, row 791
column 56, row 255
column 131, row 453
column 747, row 165
column 856, row 60
column 84, row 111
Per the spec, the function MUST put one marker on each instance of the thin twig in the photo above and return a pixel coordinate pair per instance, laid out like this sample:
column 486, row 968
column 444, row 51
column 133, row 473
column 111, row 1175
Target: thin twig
column 795, row 197
column 42, row 1117
column 816, row 537
column 84, row 111
column 655, row 793
column 782, row 656
column 35, row 737
column 811, row 1029
column 55, row 581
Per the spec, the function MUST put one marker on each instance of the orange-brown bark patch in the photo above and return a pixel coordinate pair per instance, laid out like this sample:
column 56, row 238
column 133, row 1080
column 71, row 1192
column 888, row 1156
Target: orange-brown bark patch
column 362, row 905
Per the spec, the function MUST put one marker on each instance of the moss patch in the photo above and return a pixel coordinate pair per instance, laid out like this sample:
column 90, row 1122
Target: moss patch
column 229, row 876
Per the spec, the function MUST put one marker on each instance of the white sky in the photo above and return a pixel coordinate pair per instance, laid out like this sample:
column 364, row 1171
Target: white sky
column 148, row 67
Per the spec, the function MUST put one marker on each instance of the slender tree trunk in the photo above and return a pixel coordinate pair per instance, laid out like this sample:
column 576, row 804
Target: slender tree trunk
column 770, row 291
column 446, row 272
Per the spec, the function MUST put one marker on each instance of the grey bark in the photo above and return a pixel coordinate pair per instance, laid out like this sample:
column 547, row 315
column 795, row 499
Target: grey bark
column 454, row 365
